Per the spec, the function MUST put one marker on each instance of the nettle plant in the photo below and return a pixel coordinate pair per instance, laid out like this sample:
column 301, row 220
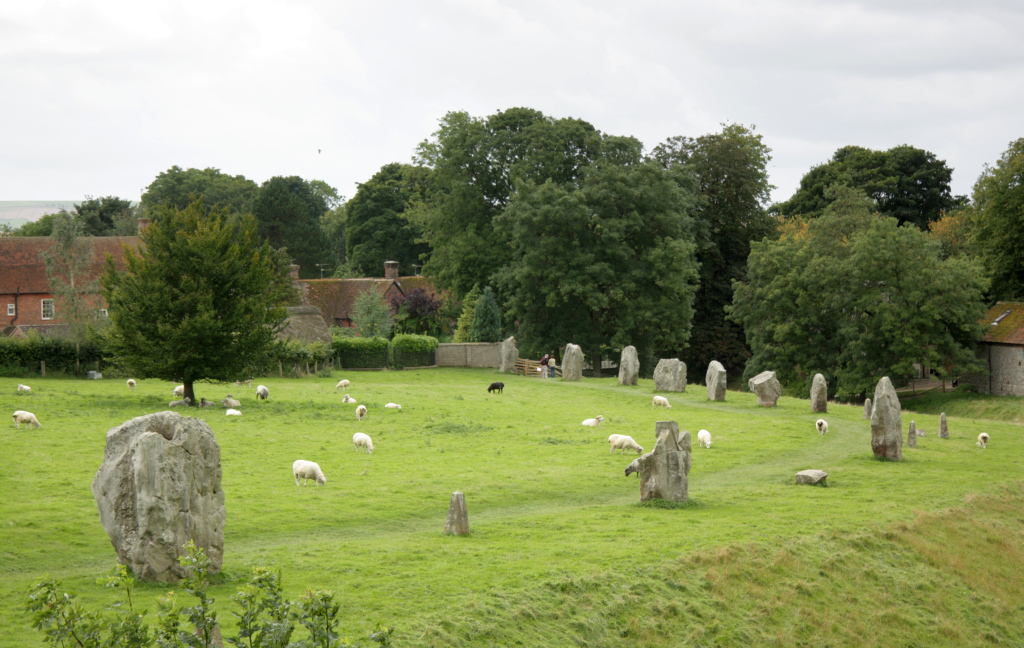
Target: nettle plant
column 265, row 618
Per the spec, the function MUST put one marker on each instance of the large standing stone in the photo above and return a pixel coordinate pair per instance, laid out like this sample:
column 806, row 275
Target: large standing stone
column 943, row 430
column 508, row 354
column 767, row 388
column 629, row 366
column 158, row 488
column 819, row 394
column 715, row 380
column 663, row 472
column 811, row 477
column 868, row 408
column 670, row 375
column 572, row 363
column 458, row 518
column 912, row 436
column 886, row 423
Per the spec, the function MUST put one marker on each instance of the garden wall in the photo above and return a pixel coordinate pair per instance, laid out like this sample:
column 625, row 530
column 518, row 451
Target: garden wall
column 468, row 354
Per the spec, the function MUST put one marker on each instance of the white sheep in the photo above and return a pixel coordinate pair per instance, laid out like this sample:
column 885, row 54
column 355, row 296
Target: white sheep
column 24, row 388
column 206, row 403
column 982, row 439
column 131, row 384
column 821, row 426
column 348, row 399
column 342, row 384
column 262, row 392
column 306, row 470
column 393, row 406
column 660, row 401
column 28, row 418
column 705, row 438
column 185, row 401
column 233, row 412
column 230, row 402
column 179, row 391
column 245, row 383
column 633, row 467
column 622, row 442
column 360, row 440
column 361, row 412
column 594, row 422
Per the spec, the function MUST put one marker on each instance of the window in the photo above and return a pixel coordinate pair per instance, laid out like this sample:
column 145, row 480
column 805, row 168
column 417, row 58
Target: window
column 10, row 310
column 103, row 312
column 47, row 309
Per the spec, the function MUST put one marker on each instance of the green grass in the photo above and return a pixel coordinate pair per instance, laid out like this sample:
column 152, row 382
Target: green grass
column 923, row 552
column 967, row 404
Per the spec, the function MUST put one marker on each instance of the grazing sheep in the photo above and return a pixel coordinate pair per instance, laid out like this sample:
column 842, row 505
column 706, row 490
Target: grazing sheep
column 262, row 392
column 306, row 470
column 920, row 432
column 28, row 418
column 361, row 412
column 393, row 406
column 342, row 384
column 233, row 412
column 622, row 442
column 594, row 422
column 230, row 402
column 348, row 399
column 179, row 391
column 660, row 401
column 205, row 403
column 982, row 438
column 131, row 384
column 821, row 426
column 360, row 440
column 24, row 388
column 633, row 467
column 185, row 401
column 243, row 383
column 705, row 438
column 496, row 387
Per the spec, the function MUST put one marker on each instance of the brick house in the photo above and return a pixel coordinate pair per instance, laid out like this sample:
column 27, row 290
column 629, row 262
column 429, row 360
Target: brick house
column 1002, row 350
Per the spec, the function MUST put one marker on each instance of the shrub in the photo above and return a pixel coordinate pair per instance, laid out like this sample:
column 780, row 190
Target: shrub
column 486, row 319
column 22, row 356
column 361, row 352
column 413, row 351
column 372, row 317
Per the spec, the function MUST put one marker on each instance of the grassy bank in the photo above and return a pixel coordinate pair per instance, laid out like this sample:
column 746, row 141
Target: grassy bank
column 560, row 552
column 968, row 405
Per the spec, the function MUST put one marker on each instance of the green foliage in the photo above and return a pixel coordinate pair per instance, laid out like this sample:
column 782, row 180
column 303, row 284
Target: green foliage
column 263, row 616
column 486, row 319
column 178, row 188
column 999, row 230
column 106, row 216
column 288, row 211
column 42, row 226
column 21, row 357
column 417, row 311
column 371, row 316
column 464, row 328
column 412, row 351
column 332, row 224
column 201, row 300
column 361, row 352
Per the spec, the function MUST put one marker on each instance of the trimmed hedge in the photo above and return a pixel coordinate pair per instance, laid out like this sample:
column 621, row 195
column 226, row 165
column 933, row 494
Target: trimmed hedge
column 413, row 351
column 21, row 356
column 361, row 353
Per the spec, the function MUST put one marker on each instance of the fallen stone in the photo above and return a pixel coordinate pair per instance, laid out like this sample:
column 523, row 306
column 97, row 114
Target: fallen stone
column 670, row 375
column 868, row 408
column 943, row 429
column 819, row 394
column 715, row 379
column 767, row 388
column 811, row 477
column 629, row 366
column 663, row 472
column 508, row 354
column 572, row 363
column 458, row 518
column 886, row 423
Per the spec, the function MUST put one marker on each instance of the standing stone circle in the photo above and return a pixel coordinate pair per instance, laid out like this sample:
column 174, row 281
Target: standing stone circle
column 767, row 388
column 160, row 486
column 663, row 472
column 868, row 408
column 670, row 375
column 943, row 429
column 715, row 379
column 629, row 366
column 887, row 423
column 458, row 518
column 572, row 362
column 508, row 354
column 819, row 394
column 912, row 436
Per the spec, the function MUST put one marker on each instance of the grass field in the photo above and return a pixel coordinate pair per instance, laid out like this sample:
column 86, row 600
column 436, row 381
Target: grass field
column 929, row 551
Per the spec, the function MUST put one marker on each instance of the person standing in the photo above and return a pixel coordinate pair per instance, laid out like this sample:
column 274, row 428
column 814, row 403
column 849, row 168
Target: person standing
column 544, row 366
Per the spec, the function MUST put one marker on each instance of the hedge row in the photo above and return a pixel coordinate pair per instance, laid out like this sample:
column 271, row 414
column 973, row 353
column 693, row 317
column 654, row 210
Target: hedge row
column 377, row 353
column 21, row 356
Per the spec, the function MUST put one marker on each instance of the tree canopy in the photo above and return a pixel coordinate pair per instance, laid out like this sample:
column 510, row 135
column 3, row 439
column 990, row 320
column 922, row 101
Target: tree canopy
column 177, row 187
column 106, row 216
column 999, row 222
column 202, row 299
column 288, row 211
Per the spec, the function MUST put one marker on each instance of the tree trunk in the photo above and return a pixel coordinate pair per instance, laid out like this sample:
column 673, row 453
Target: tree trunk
column 190, row 393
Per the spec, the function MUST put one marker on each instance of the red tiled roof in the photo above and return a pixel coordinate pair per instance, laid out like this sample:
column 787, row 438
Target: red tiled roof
column 22, row 268
column 1010, row 326
column 336, row 297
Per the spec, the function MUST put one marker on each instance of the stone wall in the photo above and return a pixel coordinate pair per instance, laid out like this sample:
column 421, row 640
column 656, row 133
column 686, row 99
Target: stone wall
column 1005, row 363
column 469, row 354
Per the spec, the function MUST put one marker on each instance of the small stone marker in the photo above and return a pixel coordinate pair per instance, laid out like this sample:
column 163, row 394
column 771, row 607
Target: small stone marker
column 868, row 408
column 508, row 354
column 912, row 436
column 819, row 394
column 887, row 423
column 767, row 388
column 715, row 379
column 663, row 472
column 943, row 430
column 811, row 477
column 629, row 366
column 670, row 375
column 458, row 519
column 572, row 363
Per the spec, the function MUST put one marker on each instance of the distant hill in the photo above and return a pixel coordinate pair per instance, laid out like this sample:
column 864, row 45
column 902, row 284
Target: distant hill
column 18, row 212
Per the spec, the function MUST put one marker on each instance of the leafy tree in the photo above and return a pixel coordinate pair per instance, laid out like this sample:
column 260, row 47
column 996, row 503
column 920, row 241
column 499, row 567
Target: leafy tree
column 417, row 312
column 377, row 227
column 288, row 211
column 42, row 226
column 954, row 231
column 371, row 316
column 486, row 319
column 464, row 328
column 177, row 187
column 332, row 224
column 732, row 176
column 999, row 231
column 202, row 299
column 102, row 216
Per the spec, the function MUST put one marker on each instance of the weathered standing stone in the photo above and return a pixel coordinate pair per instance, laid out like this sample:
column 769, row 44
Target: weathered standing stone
column 663, row 472
column 508, row 354
column 886, row 423
column 159, row 487
column 943, row 430
column 572, row 363
column 811, row 477
column 819, row 394
column 868, row 408
column 458, row 519
column 912, row 436
column 767, row 388
column 629, row 366
column 715, row 380
column 670, row 375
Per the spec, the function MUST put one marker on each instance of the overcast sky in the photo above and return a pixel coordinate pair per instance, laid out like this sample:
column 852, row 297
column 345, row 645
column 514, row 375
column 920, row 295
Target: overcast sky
column 97, row 98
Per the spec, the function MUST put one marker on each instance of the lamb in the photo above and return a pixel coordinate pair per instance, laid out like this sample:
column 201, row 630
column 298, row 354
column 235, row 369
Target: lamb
column 633, row 467
column 24, row 388
column 232, row 412
column 28, row 418
column 660, row 401
column 131, row 384
column 982, row 438
column 179, row 391
column 205, row 403
column 360, row 440
column 230, row 402
column 622, row 442
column 306, row 470
column 348, row 399
column 594, row 422
column 262, row 392
column 705, row 438
column 393, row 406
column 361, row 412
column 342, row 384
column 496, row 387
column 185, row 401
column 821, row 426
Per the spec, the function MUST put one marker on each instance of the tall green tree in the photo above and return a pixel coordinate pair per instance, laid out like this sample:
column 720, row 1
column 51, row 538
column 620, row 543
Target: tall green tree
column 464, row 327
column 999, row 222
column 731, row 168
column 377, row 227
column 202, row 299
column 288, row 211
column 106, row 216
column 371, row 316
column 177, row 187
column 486, row 318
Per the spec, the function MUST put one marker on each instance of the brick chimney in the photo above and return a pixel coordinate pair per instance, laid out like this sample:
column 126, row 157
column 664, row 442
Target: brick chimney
column 143, row 224
column 391, row 269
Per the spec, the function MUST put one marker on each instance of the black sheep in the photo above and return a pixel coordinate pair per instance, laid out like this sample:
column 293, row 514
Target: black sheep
column 496, row 386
